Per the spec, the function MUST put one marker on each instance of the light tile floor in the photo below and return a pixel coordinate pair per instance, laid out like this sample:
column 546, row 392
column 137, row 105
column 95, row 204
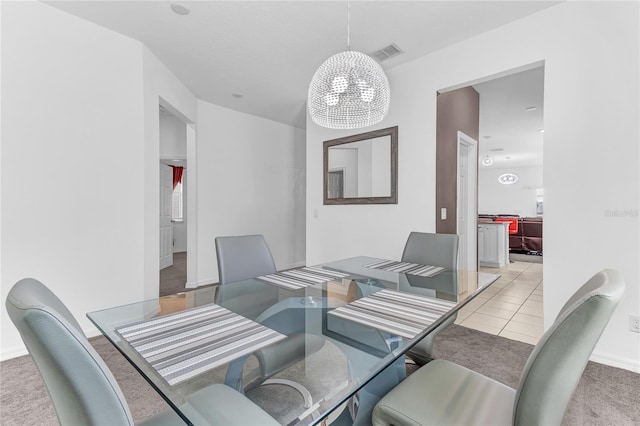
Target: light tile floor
column 511, row 307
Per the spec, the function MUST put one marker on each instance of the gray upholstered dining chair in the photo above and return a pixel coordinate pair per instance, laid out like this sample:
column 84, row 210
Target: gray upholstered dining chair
column 444, row 393
column 248, row 256
column 81, row 386
column 243, row 257
column 435, row 250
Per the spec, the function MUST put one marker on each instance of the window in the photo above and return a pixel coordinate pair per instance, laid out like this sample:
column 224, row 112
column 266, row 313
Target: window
column 176, row 204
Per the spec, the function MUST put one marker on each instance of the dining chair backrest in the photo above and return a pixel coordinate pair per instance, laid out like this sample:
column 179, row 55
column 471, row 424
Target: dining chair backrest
column 436, row 250
column 432, row 249
column 243, row 257
column 80, row 385
column 555, row 366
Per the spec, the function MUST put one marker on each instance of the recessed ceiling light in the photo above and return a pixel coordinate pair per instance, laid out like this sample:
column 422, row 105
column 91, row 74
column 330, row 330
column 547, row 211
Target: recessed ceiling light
column 531, row 108
column 237, row 95
column 508, row 178
column 180, row 9
column 540, row 130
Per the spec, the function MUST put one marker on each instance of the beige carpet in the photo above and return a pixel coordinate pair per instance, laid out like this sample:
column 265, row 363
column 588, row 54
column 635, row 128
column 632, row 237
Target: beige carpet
column 605, row 395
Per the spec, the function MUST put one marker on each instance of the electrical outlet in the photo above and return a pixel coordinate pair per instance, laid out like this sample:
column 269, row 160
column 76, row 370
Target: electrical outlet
column 634, row 323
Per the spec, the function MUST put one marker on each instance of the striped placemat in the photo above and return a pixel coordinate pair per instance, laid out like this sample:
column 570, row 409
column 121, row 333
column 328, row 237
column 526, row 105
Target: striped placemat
column 294, row 279
column 406, row 268
column 182, row 345
column 402, row 314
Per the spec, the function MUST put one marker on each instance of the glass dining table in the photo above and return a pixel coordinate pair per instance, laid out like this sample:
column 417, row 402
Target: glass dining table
column 347, row 324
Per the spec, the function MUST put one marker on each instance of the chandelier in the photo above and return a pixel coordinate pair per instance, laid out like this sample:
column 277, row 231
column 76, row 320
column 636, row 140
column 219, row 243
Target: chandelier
column 487, row 161
column 348, row 91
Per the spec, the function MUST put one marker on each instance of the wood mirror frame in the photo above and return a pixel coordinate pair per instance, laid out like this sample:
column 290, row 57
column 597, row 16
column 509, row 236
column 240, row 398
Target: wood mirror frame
column 392, row 198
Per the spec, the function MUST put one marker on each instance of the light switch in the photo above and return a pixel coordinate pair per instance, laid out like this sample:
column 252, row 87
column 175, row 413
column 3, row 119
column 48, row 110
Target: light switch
column 315, row 212
column 443, row 213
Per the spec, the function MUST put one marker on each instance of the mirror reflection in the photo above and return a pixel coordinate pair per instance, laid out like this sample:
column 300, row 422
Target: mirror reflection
column 362, row 169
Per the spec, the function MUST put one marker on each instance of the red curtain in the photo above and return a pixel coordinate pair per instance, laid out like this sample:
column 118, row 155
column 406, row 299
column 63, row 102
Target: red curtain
column 177, row 175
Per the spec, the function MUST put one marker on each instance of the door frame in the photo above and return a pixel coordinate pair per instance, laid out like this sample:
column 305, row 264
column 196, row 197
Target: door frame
column 471, row 246
column 166, row 237
column 192, row 208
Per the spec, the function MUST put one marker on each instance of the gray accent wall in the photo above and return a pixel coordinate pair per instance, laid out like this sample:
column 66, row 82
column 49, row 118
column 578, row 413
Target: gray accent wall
column 458, row 110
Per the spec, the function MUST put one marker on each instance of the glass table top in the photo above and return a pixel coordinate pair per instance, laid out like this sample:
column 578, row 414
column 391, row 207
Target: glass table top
column 349, row 321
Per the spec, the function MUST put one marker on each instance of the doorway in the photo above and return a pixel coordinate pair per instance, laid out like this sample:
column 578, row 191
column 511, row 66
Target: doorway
column 510, row 184
column 335, row 184
column 504, row 113
column 174, row 212
column 510, row 197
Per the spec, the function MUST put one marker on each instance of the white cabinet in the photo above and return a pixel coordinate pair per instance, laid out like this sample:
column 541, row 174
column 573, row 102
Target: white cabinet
column 493, row 244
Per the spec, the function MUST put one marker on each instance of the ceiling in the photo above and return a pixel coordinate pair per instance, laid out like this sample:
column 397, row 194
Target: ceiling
column 267, row 51
column 511, row 114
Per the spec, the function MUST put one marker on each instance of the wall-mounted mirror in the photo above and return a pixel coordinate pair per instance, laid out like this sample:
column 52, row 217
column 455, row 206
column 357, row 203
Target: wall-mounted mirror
column 362, row 169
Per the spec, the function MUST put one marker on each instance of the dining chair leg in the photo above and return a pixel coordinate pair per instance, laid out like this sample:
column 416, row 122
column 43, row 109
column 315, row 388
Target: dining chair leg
column 234, row 377
column 378, row 387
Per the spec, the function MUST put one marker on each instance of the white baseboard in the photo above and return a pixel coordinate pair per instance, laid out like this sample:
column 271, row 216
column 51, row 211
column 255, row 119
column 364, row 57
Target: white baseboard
column 207, row 281
column 615, row 361
column 14, row 352
column 21, row 350
column 92, row 332
column 195, row 284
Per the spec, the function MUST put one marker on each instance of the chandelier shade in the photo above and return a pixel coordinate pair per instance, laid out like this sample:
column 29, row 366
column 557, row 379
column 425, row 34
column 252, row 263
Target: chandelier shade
column 350, row 90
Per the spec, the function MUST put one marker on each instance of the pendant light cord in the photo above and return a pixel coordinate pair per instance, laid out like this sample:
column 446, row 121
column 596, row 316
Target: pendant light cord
column 348, row 25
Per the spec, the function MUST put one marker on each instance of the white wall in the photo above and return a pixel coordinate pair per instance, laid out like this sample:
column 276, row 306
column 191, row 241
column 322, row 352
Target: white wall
column 71, row 150
column 80, row 134
column 173, row 138
column 380, row 166
column 591, row 156
column 518, row 198
column 62, row 93
column 363, row 154
column 161, row 86
column 360, row 162
column 251, row 180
